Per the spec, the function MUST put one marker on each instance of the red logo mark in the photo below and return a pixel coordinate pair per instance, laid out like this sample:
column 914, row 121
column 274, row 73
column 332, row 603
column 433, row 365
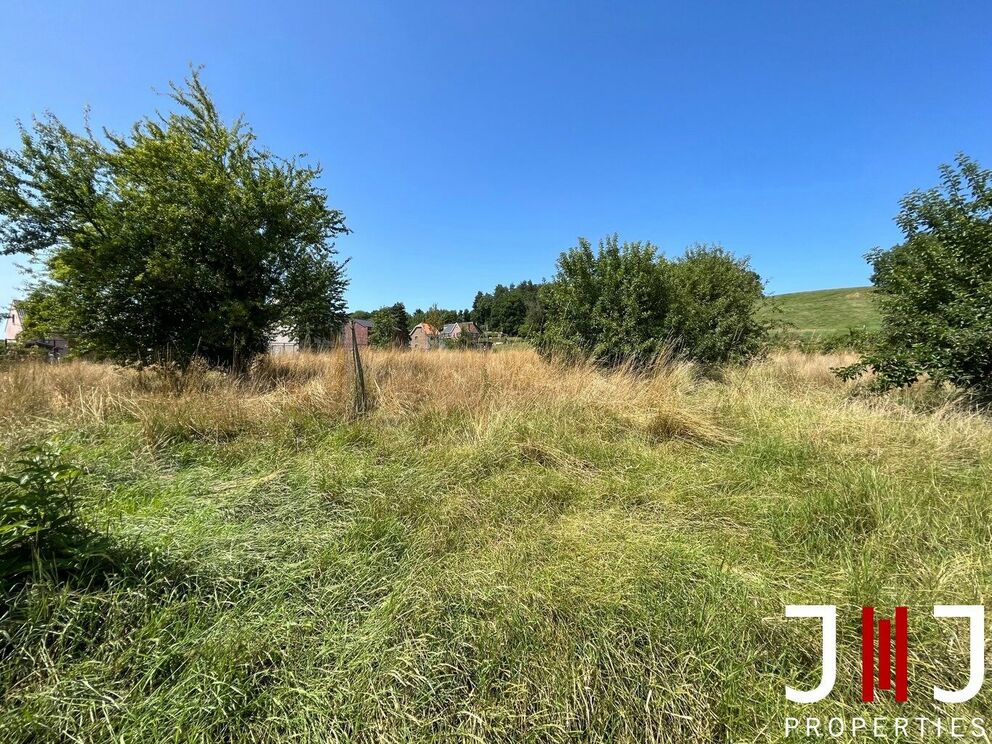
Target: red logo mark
column 884, row 655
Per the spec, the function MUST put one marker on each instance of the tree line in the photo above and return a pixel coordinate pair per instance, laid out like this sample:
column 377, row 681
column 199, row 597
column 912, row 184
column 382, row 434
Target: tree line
column 184, row 238
column 621, row 302
column 515, row 310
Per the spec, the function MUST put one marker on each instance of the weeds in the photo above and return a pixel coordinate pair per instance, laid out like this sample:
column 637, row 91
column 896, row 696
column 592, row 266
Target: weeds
column 38, row 510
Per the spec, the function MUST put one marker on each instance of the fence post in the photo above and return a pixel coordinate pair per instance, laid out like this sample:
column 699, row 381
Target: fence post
column 361, row 399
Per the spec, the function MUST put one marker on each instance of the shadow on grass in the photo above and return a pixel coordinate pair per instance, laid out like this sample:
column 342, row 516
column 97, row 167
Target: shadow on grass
column 80, row 559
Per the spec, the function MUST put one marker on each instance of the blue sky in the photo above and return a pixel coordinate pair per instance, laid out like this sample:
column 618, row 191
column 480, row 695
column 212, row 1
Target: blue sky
column 469, row 144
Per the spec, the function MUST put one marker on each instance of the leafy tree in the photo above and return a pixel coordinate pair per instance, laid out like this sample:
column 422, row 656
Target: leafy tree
column 181, row 237
column 715, row 295
column 482, row 309
column 515, row 310
column 438, row 317
column 508, row 310
column 534, row 318
column 389, row 326
column 935, row 288
column 401, row 324
column 312, row 296
column 609, row 305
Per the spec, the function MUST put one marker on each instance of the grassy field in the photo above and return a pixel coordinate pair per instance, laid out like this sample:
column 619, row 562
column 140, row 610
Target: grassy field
column 500, row 551
column 826, row 312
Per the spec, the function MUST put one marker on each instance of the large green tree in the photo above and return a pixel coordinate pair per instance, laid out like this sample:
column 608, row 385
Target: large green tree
column 389, row 326
column 181, row 237
column 935, row 288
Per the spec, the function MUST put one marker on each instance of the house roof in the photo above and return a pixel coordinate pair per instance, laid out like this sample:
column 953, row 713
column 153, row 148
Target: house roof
column 466, row 325
column 359, row 321
column 428, row 328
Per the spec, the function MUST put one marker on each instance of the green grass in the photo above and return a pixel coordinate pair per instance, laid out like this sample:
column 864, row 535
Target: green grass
column 828, row 312
column 537, row 555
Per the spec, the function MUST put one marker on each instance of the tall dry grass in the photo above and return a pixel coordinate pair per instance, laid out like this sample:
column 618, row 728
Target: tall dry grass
column 488, row 391
column 485, row 388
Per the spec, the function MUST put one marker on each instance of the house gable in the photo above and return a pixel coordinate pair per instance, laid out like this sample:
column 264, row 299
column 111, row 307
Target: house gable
column 14, row 324
column 423, row 336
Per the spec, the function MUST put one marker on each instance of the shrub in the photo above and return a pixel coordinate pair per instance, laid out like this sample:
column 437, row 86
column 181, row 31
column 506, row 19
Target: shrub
column 12, row 353
column 626, row 302
column 610, row 305
column 37, row 509
column 714, row 314
column 935, row 289
column 389, row 326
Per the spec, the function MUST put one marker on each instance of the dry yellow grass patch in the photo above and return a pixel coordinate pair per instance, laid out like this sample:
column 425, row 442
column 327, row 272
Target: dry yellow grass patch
column 484, row 387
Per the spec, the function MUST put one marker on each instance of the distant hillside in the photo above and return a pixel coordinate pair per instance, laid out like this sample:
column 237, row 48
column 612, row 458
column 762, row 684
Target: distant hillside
column 828, row 311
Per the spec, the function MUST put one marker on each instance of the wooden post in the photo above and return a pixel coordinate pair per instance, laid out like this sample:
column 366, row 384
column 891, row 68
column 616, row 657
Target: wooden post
column 361, row 399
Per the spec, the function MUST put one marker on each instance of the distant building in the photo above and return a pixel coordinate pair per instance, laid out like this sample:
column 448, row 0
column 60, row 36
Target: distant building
column 423, row 336
column 283, row 342
column 467, row 332
column 357, row 328
column 14, row 327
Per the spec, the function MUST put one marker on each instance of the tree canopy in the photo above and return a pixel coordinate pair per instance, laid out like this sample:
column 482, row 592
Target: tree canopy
column 515, row 310
column 437, row 316
column 390, row 326
column 182, row 237
column 627, row 302
column 935, row 288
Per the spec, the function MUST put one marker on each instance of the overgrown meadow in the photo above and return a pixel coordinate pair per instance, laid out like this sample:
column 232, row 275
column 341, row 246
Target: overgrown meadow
column 501, row 550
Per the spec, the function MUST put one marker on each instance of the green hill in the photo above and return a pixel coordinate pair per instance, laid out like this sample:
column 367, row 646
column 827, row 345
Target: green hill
column 827, row 311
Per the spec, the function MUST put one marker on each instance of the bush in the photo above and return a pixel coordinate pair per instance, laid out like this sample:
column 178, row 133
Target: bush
column 629, row 303
column 389, row 326
column 714, row 316
column 935, row 289
column 37, row 509
column 13, row 353
column 610, row 305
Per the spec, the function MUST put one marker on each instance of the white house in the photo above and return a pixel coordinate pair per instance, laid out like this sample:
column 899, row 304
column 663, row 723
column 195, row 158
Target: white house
column 14, row 325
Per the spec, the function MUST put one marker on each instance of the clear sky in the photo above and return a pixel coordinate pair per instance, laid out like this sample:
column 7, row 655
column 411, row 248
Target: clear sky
column 469, row 143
